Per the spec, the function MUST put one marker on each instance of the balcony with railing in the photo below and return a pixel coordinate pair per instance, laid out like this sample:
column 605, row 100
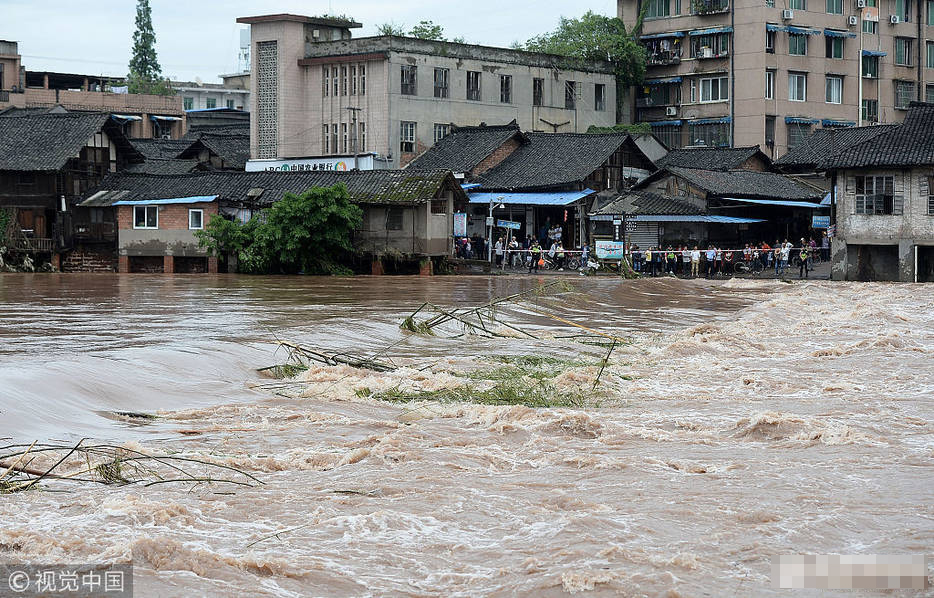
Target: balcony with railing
column 95, row 231
column 709, row 7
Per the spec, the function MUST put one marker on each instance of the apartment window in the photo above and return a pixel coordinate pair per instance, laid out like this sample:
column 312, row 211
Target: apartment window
column 195, row 219
column 394, row 218
column 769, row 84
column 363, row 79
column 797, row 87
column 871, row 67
column 770, row 3
column 407, row 137
column 409, row 80
column 904, row 93
column 334, row 81
column 770, row 42
column 145, row 216
column 657, row 8
column 870, row 111
column 441, row 82
column 538, row 91
column 710, row 46
column 834, row 47
column 441, row 131
column 833, row 89
column 189, row 103
column 930, row 20
column 211, row 102
column 797, row 4
column 670, row 135
column 869, row 26
column 570, row 95
column 361, row 137
column 505, row 89
column 599, row 97
column 353, row 79
column 770, row 131
column 439, row 206
column 325, row 81
column 345, row 85
column 325, row 139
column 929, row 62
column 711, row 135
column 344, row 138
column 334, row 148
column 875, row 195
column 230, row 104
column 931, row 196
column 929, row 94
column 903, row 10
column 714, row 90
column 701, row 7
column 835, row 7
column 797, row 44
column 797, row 133
column 902, row 51
column 473, row 85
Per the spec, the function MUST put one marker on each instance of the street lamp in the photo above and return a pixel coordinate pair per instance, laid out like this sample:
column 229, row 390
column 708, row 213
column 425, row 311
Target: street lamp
column 489, row 224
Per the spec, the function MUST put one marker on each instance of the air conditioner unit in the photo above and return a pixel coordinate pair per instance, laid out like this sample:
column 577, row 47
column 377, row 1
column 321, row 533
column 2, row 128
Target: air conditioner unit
column 706, row 52
column 788, row 14
column 671, row 111
column 893, row 19
column 854, row 20
column 860, row 3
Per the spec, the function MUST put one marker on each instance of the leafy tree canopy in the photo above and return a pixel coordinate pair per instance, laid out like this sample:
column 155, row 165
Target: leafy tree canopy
column 391, row 29
column 635, row 129
column 310, row 232
column 145, row 73
column 428, row 30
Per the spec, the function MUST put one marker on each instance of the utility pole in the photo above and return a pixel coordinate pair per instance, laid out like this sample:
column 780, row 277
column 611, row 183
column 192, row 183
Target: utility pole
column 353, row 136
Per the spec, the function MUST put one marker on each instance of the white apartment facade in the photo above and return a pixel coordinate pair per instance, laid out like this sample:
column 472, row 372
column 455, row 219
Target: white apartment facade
column 318, row 92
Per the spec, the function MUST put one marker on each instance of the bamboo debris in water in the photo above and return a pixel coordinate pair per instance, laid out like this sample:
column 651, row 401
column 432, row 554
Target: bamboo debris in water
column 304, row 354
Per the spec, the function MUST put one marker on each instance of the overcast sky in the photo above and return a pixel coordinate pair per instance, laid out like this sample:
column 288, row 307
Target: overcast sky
column 201, row 39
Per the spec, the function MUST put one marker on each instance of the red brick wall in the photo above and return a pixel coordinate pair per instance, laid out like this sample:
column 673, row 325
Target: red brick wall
column 498, row 155
column 171, row 217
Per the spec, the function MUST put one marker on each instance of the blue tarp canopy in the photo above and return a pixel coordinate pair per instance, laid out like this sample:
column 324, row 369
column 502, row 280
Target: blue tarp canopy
column 873, row 53
column 469, row 186
column 659, row 35
column 162, row 202
column 826, row 201
column 156, row 117
column 126, row 117
column 827, row 122
column 835, row 33
column 710, row 121
column 665, row 123
column 662, row 81
column 776, row 202
column 712, row 30
column 802, row 30
column 800, row 120
column 771, row 27
column 532, row 198
column 708, row 218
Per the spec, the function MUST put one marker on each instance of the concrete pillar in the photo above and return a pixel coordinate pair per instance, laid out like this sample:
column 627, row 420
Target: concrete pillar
column 84, row 85
column 45, row 81
column 123, row 264
column 168, row 264
column 426, row 267
column 57, row 261
column 376, row 267
column 212, row 264
column 906, row 260
column 838, row 265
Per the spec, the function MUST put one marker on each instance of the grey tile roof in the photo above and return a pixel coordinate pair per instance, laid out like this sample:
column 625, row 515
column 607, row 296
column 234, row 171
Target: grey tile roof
column 823, row 144
column 165, row 149
column 47, row 141
column 372, row 186
column 710, row 158
column 646, row 202
column 907, row 145
column 552, row 160
column 161, row 166
column 745, row 184
column 465, row 147
column 233, row 148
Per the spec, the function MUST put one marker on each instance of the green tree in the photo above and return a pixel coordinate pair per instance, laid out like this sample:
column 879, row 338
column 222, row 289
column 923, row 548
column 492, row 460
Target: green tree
column 428, row 30
column 391, row 29
column 145, row 73
column 597, row 37
column 310, row 232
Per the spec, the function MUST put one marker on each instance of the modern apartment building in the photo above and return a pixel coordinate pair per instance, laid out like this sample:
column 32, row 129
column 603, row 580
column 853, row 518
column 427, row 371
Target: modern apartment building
column 770, row 72
column 316, row 91
column 197, row 95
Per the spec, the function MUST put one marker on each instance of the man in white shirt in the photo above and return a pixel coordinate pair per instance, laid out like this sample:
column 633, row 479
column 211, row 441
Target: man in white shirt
column 711, row 256
column 695, row 262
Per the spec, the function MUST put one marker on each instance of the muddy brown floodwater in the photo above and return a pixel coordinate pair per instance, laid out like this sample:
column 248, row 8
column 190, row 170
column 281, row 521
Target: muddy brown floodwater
column 745, row 420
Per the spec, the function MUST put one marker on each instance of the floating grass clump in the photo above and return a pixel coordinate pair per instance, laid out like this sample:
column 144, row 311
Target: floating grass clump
column 536, row 394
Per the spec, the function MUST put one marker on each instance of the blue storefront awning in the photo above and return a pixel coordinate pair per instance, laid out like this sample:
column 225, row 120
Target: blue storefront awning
column 712, row 30
column 666, row 123
column 710, row 121
column 800, row 120
column 162, row 202
column 469, row 186
column 771, row 27
column 708, row 218
column 826, row 201
column 776, row 202
column 828, row 122
column 662, row 81
column 835, row 33
column 155, row 117
column 660, row 35
column 126, row 117
column 533, row 198
column 802, row 30
column 873, row 53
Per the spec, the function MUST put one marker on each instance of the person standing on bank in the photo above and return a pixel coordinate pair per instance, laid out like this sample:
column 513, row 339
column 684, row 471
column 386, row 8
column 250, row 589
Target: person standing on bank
column 536, row 252
column 695, row 262
column 804, row 256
